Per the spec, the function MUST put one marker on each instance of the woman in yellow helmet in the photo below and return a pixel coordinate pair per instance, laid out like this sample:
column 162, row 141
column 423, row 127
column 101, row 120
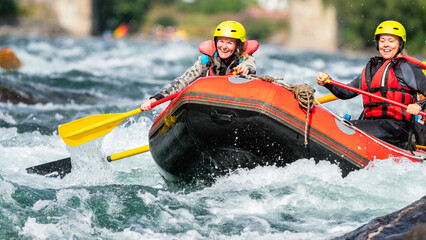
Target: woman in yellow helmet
column 229, row 52
column 391, row 75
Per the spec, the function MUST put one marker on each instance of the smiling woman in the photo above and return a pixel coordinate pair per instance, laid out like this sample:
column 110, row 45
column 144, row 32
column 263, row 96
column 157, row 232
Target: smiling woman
column 391, row 75
column 228, row 53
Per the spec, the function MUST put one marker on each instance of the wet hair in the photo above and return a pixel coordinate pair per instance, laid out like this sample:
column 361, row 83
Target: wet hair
column 239, row 49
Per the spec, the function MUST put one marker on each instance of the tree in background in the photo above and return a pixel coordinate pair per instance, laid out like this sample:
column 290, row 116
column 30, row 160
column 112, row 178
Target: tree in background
column 212, row 7
column 112, row 13
column 8, row 8
column 8, row 11
column 358, row 20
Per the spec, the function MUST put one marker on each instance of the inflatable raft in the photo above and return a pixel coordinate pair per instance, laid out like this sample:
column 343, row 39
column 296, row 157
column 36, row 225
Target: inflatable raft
column 219, row 124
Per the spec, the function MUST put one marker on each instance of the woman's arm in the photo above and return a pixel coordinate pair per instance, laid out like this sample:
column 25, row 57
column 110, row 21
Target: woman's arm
column 343, row 93
column 183, row 81
column 176, row 85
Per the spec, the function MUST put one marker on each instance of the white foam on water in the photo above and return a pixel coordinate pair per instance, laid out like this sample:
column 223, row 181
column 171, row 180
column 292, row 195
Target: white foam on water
column 89, row 165
column 311, row 200
column 19, row 151
column 41, row 231
column 7, row 118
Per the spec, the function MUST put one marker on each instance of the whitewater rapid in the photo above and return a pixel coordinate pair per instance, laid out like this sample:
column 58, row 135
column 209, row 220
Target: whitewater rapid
column 128, row 199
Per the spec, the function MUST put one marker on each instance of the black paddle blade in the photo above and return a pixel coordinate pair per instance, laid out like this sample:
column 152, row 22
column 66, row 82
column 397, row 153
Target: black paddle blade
column 58, row 168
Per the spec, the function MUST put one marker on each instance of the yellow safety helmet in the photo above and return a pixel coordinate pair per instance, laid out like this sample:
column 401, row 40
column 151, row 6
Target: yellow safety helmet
column 391, row 27
column 231, row 29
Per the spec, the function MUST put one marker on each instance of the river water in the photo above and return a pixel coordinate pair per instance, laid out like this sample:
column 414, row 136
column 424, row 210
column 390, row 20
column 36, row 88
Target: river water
column 127, row 199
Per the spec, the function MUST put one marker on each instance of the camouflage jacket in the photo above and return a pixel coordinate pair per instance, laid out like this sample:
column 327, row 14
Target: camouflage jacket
column 199, row 70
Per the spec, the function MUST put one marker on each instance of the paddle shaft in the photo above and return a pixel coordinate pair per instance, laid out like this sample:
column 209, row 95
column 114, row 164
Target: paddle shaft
column 164, row 99
column 128, row 153
column 357, row 90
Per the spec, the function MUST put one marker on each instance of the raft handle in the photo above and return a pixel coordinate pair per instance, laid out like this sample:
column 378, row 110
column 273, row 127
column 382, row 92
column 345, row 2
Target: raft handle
column 215, row 116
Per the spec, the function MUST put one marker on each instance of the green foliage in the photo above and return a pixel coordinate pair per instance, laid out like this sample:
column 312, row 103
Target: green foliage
column 212, row 7
column 262, row 29
column 166, row 1
column 166, row 20
column 113, row 13
column 8, row 8
column 358, row 20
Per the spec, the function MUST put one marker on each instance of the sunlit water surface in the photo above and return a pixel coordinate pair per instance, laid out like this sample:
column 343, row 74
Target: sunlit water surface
column 127, row 199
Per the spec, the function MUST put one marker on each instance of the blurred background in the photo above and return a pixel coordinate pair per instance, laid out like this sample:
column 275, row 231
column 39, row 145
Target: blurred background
column 319, row 25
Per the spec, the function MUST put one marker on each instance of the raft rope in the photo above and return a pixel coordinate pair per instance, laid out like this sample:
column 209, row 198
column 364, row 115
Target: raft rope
column 302, row 92
column 350, row 125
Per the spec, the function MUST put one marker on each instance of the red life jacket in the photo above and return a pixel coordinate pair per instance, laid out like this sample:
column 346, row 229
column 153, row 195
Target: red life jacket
column 208, row 48
column 384, row 83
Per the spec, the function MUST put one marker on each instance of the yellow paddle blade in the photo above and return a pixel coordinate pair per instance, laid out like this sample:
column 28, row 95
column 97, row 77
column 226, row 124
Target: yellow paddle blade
column 327, row 98
column 86, row 129
column 128, row 153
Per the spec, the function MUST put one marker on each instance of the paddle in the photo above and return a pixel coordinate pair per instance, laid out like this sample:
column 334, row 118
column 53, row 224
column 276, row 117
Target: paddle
column 63, row 166
column 357, row 90
column 86, row 129
column 58, row 168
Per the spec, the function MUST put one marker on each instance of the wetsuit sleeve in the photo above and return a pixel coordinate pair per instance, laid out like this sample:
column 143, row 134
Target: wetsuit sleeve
column 183, row 81
column 250, row 62
column 343, row 93
column 411, row 75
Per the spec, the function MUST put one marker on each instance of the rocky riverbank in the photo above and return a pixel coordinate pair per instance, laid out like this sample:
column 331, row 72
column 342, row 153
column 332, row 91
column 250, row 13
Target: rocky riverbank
column 408, row 223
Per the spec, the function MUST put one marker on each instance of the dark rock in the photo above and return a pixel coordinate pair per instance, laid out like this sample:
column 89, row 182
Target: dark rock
column 16, row 96
column 408, row 223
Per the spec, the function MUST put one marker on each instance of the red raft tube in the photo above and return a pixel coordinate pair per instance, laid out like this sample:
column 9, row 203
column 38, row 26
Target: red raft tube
column 218, row 124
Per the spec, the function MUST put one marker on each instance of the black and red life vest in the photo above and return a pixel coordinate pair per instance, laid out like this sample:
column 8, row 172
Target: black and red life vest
column 384, row 83
column 208, row 49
